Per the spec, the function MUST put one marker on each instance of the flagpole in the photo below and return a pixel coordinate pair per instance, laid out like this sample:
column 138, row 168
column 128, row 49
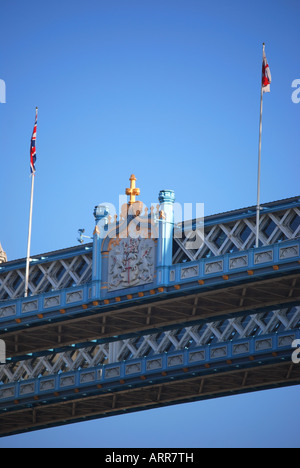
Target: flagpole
column 29, row 237
column 32, row 168
column 259, row 164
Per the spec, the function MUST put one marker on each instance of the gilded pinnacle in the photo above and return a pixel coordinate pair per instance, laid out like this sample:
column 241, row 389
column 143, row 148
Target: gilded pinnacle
column 133, row 191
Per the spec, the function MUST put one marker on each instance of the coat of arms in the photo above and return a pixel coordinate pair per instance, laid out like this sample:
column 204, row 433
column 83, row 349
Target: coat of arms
column 131, row 263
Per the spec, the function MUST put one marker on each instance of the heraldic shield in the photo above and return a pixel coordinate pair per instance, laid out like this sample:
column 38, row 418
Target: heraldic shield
column 131, row 263
column 128, row 249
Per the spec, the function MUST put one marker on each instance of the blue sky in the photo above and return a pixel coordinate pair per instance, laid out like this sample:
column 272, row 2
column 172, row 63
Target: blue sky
column 168, row 90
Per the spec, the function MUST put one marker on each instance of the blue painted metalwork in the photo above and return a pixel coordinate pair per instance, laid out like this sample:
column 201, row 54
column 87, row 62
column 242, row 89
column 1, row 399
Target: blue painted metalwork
column 72, row 283
column 243, row 353
column 289, row 229
column 273, row 260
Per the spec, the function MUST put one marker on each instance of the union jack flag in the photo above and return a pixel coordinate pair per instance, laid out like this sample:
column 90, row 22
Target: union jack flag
column 32, row 145
column 266, row 74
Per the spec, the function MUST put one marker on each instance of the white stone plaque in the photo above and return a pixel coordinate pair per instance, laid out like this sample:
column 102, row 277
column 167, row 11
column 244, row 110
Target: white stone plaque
column 131, row 263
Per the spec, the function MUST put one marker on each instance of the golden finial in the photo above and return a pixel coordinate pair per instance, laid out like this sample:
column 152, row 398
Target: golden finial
column 132, row 191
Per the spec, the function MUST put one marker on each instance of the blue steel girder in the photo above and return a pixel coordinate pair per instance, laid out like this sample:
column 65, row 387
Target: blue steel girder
column 249, row 351
column 223, row 233
column 210, row 333
column 236, row 230
column 235, row 283
column 188, row 375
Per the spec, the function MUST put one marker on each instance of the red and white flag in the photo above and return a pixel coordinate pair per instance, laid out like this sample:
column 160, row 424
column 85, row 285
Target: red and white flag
column 32, row 145
column 266, row 74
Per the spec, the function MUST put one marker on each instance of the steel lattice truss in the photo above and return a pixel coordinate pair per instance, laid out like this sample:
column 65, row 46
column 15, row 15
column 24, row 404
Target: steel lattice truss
column 150, row 345
column 219, row 238
column 238, row 235
column 47, row 276
column 106, row 404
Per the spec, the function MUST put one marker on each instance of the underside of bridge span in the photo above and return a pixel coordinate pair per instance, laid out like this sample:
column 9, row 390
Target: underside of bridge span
column 101, row 402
